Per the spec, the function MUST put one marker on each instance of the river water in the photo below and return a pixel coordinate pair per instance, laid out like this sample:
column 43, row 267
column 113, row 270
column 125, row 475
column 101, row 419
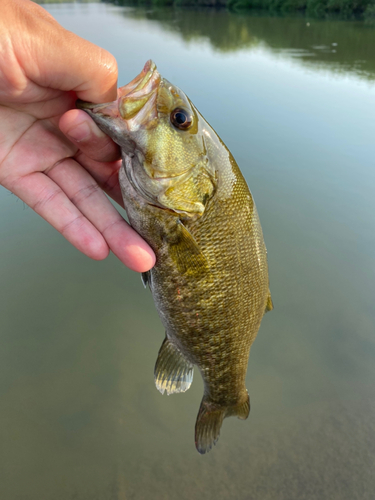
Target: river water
column 80, row 418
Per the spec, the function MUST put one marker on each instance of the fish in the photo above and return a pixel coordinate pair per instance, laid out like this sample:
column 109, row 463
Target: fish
column 186, row 196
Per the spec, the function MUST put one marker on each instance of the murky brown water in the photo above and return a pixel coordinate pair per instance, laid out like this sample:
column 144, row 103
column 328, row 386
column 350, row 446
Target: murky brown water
column 80, row 418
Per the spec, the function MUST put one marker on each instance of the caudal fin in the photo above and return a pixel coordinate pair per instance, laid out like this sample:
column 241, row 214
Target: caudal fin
column 210, row 418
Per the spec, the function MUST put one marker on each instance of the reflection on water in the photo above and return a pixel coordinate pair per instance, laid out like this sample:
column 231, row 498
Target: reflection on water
column 345, row 47
column 80, row 417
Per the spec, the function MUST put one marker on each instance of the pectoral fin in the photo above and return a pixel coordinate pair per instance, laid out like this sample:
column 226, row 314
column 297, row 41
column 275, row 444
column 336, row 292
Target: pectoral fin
column 186, row 253
column 145, row 277
column 173, row 372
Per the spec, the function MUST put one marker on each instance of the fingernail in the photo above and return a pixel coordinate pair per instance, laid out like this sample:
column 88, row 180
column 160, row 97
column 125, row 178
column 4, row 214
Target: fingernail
column 80, row 132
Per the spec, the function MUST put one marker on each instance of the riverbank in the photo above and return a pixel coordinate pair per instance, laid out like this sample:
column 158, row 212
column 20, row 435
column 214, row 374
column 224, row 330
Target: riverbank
column 362, row 9
column 316, row 8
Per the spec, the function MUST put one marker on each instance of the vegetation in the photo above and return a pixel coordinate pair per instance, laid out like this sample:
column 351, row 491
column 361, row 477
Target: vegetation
column 313, row 8
column 317, row 8
column 310, row 7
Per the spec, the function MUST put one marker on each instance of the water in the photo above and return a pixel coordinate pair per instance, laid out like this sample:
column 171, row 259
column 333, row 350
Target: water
column 80, row 418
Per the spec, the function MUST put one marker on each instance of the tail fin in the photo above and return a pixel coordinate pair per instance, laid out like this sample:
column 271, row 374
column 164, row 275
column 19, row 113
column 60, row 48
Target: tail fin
column 210, row 418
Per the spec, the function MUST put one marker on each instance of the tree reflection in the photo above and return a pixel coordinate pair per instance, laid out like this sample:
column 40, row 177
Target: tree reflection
column 338, row 46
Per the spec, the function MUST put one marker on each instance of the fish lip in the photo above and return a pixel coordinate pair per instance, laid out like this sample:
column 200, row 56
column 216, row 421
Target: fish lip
column 92, row 106
column 108, row 109
column 136, row 103
column 140, row 81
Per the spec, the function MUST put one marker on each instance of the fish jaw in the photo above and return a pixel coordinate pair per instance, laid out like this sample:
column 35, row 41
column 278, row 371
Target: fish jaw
column 134, row 111
column 109, row 120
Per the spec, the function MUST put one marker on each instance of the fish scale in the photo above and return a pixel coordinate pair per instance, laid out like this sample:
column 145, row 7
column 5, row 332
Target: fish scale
column 185, row 195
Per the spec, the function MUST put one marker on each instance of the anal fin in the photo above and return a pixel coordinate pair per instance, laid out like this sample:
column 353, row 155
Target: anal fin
column 173, row 372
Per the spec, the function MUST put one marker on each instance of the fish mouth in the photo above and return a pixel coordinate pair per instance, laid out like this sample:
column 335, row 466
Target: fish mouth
column 136, row 103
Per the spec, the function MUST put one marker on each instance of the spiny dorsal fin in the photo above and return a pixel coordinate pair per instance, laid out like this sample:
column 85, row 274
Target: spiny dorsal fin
column 173, row 372
column 269, row 304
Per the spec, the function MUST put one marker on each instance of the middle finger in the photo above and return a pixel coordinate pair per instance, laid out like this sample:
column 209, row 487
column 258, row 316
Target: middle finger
column 88, row 197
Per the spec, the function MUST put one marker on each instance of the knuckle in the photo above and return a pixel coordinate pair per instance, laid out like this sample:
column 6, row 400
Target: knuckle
column 100, row 149
column 45, row 198
column 105, row 150
column 78, row 221
column 118, row 220
column 84, row 194
column 111, row 183
column 108, row 64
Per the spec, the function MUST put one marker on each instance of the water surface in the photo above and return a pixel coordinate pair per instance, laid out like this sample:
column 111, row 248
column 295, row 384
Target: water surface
column 80, row 418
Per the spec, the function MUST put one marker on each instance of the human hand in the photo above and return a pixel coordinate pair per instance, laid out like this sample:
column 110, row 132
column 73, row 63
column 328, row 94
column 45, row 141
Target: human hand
column 60, row 172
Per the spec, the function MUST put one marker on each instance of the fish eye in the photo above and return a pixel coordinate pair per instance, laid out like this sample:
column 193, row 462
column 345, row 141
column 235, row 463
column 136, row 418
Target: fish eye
column 181, row 118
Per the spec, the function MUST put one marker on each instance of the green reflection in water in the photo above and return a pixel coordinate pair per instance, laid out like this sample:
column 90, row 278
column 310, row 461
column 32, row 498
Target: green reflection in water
column 343, row 47
column 336, row 45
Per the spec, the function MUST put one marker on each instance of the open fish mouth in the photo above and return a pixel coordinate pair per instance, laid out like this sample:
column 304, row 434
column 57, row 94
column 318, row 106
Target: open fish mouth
column 136, row 103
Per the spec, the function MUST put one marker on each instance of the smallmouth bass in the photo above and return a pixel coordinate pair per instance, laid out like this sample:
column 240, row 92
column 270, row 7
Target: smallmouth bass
column 185, row 195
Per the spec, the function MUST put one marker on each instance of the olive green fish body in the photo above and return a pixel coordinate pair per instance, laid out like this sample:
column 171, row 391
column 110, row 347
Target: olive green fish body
column 188, row 199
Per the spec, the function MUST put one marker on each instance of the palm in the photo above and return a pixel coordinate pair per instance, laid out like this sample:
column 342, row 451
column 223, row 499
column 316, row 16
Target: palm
column 34, row 141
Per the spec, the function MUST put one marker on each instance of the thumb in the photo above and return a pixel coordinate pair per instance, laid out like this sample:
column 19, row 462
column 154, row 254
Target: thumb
column 54, row 57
